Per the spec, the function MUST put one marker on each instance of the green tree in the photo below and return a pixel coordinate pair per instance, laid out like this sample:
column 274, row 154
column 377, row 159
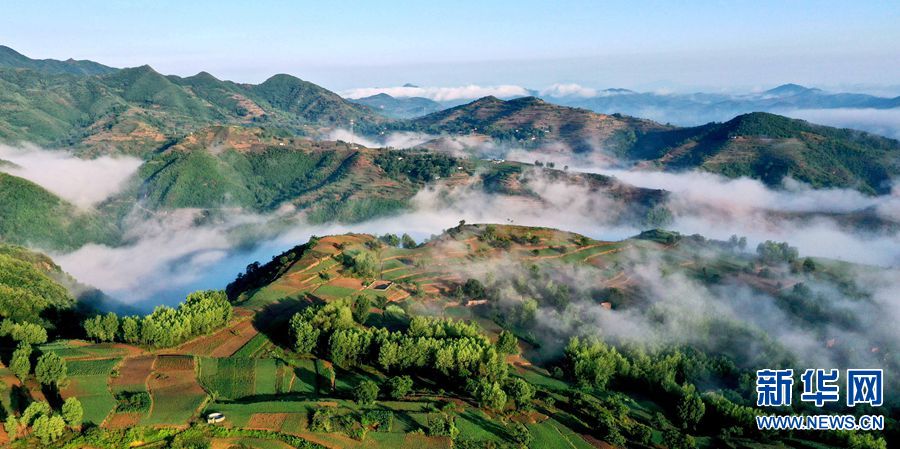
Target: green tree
column 28, row 333
column 20, row 364
column 677, row 440
column 408, row 241
column 520, row 391
column 520, row 434
column 366, row 392
column 131, row 329
column 809, row 265
column 11, row 426
column 690, row 408
column 306, row 336
column 50, row 369
column 490, row 395
column 48, row 428
column 73, row 412
column 361, row 307
column 399, row 386
column 34, row 410
column 507, row 343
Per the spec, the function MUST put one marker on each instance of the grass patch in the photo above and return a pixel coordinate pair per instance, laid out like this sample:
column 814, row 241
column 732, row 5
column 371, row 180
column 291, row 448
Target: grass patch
column 90, row 367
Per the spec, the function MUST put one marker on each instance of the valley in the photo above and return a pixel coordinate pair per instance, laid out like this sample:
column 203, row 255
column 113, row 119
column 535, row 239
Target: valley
column 190, row 262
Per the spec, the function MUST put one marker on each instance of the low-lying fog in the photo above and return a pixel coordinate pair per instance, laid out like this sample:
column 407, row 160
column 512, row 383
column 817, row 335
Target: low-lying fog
column 171, row 256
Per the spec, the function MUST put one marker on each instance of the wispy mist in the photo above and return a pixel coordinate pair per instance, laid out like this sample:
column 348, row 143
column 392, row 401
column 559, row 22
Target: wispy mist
column 84, row 182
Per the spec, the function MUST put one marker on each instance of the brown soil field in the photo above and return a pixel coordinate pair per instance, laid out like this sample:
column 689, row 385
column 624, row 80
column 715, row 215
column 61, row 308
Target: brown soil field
column 353, row 283
column 222, row 343
column 122, row 420
column 267, row 421
column 133, row 373
column 173, row 362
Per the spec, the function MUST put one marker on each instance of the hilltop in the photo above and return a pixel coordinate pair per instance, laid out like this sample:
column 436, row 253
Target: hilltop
column 530, row 121
column 138, row 110
column 10, row 58
column 769, row 147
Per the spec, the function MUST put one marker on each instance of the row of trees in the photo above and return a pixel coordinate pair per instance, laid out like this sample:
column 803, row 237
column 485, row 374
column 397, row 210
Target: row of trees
column 442, row 349
column 46, row 425
column 200, row 313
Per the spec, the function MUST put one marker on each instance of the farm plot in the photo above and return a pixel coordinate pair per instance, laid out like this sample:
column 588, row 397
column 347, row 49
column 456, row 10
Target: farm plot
column 93, row 392
column 175, row 393
column 231, row 378
column 222, row 343
column 254, row 347
column 90, row 367
column 553, row 435
column 133, row 374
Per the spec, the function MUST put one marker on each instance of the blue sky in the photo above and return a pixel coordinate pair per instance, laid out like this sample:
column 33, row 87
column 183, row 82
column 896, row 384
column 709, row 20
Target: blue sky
column 679, row 45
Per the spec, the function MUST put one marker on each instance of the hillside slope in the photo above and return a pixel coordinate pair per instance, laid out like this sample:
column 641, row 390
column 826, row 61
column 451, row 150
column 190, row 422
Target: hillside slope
column 769, row 147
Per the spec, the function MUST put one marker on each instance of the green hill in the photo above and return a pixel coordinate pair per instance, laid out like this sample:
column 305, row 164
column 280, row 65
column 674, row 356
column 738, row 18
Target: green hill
column 530, row 122
column 760, row 145
column 30, row 283
column 769, row 147
column 30, row 215
column 10, row 58
column 137, row 110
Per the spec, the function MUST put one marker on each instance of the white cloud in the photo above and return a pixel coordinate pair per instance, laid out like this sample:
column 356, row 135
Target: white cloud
column 885, row 122
column 569, row 90
column 84, row 182
column 469, row 92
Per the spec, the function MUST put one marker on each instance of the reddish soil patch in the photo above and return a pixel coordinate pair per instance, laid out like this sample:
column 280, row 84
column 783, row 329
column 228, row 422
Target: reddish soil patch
column 222, row 343
column 122, row 420
column 173, row 362
column 355, row 284
column 133, row 373
column 267, row 421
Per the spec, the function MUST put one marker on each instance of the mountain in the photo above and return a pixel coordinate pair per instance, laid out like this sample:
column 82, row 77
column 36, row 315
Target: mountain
column 12, row 59
column 758, row 145
column 530, row 121
column 698, row 108
column 769, row 147
column 30, row 215
column 401, row 108
column 138, row 110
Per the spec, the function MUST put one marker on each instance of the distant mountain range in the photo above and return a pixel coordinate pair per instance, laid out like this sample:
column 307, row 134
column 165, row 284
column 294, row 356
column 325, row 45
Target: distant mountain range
column 97, row 109
column 699, row 108
column 401, row 108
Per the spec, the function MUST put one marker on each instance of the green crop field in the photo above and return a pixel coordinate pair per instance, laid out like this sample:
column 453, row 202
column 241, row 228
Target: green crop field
column 94, row 394
column 253, row 347
column 266, row 376
column 551, row 434
column 91, row 367
column 334, row 292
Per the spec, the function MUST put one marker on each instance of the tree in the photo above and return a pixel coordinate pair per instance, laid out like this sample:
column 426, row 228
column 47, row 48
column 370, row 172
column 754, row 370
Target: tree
column 361, row 306
column 507, row 343
column 306, row 336
column 20, row 364
column 690, row 408
column 48, row 428
column 50, row 369
column 408, row 241
column 366, row 392
column 28, row 333
column 677, row 440
column 102, row 328
column 73, row 412
column 399, row 386
column 520, row 391
column 131, row 329
column 490, row 395
column 34, row 410
column 11, row 426
column 520, row 434
column 809, row 265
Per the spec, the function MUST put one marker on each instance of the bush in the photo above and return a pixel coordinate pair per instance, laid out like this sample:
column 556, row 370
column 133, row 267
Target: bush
column 366, row 392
